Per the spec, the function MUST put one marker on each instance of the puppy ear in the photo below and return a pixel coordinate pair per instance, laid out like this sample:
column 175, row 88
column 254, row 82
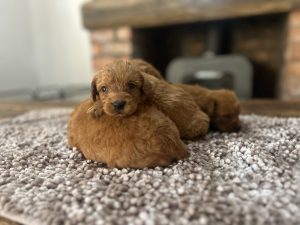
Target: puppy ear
column 94, row 91
column 149, row 82
column 96, row 109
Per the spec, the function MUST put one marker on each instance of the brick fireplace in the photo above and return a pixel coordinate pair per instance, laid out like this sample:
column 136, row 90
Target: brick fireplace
column 270, row 40
column 290, row 73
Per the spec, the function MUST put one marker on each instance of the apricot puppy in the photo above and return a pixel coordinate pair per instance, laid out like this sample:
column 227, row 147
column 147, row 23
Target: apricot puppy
column 222, row 106
column 178, row 105
column 128, row 130
column 173, row 101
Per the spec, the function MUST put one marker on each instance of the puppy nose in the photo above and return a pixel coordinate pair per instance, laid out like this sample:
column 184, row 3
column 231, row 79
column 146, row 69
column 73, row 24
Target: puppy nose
column 118, row 105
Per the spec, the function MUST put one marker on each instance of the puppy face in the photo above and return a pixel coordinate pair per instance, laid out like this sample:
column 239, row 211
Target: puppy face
column 119, row 88
column 226, row 112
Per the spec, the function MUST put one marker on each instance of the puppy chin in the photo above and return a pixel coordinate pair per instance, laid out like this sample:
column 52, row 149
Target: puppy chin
column 127, row 111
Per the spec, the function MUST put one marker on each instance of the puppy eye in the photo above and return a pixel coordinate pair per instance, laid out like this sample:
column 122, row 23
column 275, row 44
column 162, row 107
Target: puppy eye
column 104, row 89
column 131, row 86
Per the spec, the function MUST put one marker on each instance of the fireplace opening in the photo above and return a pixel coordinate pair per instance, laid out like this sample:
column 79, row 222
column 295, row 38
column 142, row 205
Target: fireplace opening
column 261, row 39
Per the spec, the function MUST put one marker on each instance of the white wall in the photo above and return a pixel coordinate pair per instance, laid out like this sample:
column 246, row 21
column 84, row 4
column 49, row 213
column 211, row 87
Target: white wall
column 17, row 68
column 62, row 52
column 42, row 42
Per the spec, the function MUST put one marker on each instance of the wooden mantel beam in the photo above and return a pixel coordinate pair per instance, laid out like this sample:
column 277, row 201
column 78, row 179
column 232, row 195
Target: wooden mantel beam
column 146, row 13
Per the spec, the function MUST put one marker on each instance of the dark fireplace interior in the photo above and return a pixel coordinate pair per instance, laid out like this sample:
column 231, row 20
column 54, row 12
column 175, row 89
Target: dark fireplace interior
column 261, row 39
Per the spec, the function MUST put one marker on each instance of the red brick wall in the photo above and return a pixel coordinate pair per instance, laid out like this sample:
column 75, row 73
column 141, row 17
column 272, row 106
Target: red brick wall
column 110, row 44
column 272, row 43
column 261, row 40
column 290, row 82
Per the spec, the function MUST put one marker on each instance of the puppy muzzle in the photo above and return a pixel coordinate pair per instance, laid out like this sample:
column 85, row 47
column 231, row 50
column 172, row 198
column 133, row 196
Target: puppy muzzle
column 119, row 105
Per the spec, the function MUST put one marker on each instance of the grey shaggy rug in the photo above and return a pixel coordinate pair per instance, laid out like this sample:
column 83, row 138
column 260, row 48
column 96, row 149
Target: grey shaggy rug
column 250, row 177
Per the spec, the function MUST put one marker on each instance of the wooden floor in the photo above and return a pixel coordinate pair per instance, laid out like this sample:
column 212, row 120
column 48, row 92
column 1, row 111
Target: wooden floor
column 271, row 108
column 4, row 221
column 260, row 107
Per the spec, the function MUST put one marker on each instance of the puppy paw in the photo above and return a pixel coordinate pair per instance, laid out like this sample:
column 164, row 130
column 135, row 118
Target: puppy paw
column 198, row 126
column 95, row 110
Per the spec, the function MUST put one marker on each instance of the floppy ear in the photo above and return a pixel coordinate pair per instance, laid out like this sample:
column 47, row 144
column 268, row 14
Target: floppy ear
column 94, row 91
column 148, row 84
column 96, row 109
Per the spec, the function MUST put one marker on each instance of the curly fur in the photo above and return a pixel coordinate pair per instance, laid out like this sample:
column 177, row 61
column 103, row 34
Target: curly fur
column 178, row 105
column 146, row 68
column 222, row 106
column 146, row 130
column 173, row 101
column 137, row 136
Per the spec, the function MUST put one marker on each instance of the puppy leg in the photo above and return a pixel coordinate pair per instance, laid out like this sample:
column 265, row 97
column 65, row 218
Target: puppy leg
column 178, row 105
column 198, row 126
column 222, row 106
column 227, row 110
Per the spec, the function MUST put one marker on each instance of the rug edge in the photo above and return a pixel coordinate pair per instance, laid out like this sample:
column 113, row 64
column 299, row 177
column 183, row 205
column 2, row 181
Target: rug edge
column 19, row 218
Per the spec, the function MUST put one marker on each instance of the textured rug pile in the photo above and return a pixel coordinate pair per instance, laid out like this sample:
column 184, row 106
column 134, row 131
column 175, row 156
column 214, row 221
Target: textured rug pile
column 250, row 177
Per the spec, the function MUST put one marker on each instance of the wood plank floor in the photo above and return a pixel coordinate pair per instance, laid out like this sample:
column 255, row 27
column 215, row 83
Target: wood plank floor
column 261, row 107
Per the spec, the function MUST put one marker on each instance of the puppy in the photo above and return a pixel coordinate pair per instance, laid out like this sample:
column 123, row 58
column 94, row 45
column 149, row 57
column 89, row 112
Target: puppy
column 173, row 101
column 120, row 127
column 178, row 105
column 222, row 106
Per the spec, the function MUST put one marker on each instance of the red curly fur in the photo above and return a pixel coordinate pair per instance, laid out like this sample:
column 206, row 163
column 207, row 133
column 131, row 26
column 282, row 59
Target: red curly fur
column 222, row 106
column 137, row 136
